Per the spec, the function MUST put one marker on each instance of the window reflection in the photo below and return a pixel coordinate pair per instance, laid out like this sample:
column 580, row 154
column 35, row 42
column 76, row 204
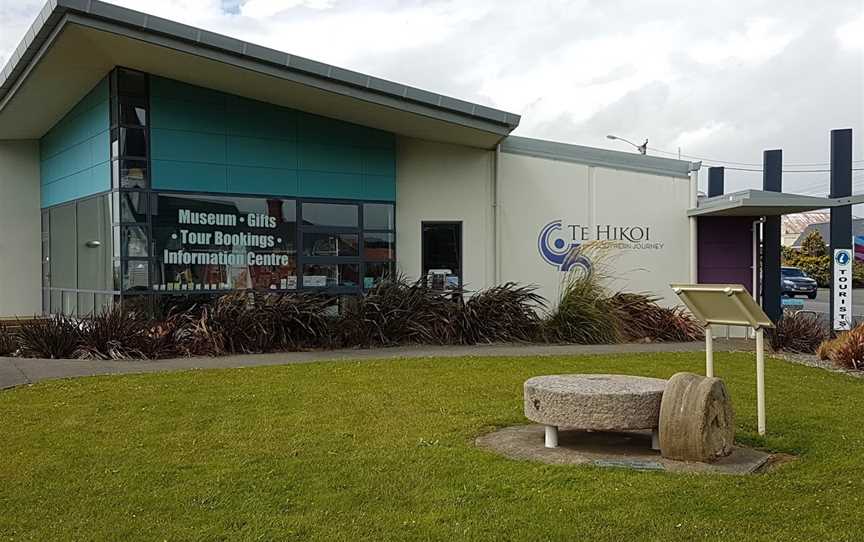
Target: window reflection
column 378, row 246
column 133, row 115
column 331, row 275
column 330, row 244
column 375, row 273
column 336, row 215
column 378, row 216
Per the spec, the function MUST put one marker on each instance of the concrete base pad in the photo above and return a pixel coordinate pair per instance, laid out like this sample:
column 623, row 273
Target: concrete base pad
column 628, row 450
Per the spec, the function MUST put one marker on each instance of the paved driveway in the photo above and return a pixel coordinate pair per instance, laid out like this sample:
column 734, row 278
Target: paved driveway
column 19, row 371
column 821, row 303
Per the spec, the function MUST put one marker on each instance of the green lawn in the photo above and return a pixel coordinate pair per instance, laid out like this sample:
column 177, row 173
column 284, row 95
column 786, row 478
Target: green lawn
column 383, row 451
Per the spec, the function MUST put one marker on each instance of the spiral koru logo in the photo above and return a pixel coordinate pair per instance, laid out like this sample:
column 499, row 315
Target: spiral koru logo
column 556, row 251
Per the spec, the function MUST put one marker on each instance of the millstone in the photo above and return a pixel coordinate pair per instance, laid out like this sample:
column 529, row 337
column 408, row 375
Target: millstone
column 594, row 402
column 697, row 422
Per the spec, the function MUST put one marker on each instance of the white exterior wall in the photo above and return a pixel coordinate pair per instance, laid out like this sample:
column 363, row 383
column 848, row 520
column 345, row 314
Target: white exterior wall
column 20, row 229
column 535, row 191
column 441, row 182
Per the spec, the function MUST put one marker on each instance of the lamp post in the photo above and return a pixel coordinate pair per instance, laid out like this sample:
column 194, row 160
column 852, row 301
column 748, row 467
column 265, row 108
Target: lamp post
column 643, row 148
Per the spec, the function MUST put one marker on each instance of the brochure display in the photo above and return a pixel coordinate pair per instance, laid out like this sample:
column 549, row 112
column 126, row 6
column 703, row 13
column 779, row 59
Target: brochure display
column 731, row 305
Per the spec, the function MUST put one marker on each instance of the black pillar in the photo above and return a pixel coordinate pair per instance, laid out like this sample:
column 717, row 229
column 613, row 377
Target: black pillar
column 715, row 181
column 772, row 180
column 841, row 186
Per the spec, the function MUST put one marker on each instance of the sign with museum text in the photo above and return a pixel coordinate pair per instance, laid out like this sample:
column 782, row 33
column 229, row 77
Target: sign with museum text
column 221, row 244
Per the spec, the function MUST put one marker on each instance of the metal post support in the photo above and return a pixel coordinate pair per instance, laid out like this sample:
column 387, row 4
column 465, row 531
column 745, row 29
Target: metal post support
column 760, row 380
column 551, row 436
column 841, row 217
column 709, row 351
column 694, row 229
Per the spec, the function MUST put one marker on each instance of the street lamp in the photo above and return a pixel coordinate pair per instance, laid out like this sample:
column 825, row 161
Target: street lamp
column 643, row 148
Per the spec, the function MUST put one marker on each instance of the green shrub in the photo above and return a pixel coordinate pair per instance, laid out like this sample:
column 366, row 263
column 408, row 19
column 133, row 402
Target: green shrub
column 295, row 321
column 247, row 323
column 114, row 333
column 847, row 350
column 8, row 342
column 640, row 318
column 583, row 314
column 814, row 245
column 57, row 337
column 798, row 332
column 398, row 312
column 506, row 313
column 825, row 351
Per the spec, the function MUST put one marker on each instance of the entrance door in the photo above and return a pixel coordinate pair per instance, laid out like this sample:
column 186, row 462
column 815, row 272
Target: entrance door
column 442, row 254
column 725, row 251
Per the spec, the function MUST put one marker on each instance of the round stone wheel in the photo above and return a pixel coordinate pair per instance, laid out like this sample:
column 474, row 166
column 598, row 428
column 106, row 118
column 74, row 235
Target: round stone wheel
column 595, row 402
column 697, row 422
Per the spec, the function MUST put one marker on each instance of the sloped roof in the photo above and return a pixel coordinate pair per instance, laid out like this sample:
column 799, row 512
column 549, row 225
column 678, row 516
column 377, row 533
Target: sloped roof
column 73, row 43
column 566, row 152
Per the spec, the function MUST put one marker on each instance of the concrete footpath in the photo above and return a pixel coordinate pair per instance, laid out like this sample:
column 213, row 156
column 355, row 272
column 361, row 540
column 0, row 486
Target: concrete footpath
column 20, row 371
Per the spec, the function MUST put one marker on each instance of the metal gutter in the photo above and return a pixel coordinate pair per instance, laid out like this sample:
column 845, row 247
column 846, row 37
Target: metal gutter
column 596, row 157
column 135, row 24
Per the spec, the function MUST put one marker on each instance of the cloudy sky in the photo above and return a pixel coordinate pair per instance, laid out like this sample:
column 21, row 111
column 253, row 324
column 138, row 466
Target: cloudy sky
column 722, row 80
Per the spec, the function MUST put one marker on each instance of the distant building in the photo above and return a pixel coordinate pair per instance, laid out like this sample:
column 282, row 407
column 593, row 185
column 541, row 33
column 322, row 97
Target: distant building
column 794, row 225
column 824, row 230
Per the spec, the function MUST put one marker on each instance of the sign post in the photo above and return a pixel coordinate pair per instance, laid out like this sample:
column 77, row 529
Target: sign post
column 731, row 305
column 842, row 289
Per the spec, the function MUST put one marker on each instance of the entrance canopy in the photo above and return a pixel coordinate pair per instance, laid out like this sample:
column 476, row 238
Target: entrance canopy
column 766, row 203
column 73, row 44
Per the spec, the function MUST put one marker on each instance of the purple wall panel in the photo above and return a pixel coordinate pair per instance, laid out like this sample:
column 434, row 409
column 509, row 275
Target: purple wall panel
column 725, row 252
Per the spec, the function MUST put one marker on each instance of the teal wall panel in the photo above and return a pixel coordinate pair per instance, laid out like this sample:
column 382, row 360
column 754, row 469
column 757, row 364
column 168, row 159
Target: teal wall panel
column 185, row 146
column 265, row 153
column 75, row 153
column 207, row 141
column 258, row 180
column 189, row 176
column 379, row 187
column 319, row 184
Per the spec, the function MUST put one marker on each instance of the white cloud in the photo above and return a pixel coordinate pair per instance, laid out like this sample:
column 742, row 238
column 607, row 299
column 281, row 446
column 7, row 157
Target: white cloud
column 851, row 34
column 269, row 8
column 722, row 79
column 761, row 39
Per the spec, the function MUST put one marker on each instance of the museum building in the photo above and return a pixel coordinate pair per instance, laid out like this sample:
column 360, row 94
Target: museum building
column 143, row 157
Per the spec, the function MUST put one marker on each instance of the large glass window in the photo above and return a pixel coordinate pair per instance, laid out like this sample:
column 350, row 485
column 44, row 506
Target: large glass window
column 132, row 114
column 379, row 243
column 130, row 206
column 375, row 272
column 335, row 215
column 331, row 275
column 130, row 142
column 378, row 216
column 218, row 243
column 324, row 244
column 378, row 246
column 130, row 174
